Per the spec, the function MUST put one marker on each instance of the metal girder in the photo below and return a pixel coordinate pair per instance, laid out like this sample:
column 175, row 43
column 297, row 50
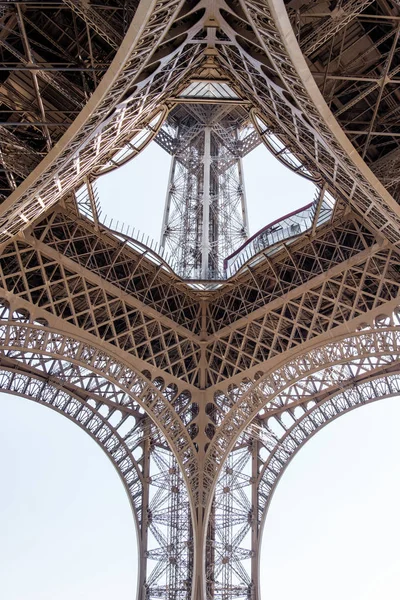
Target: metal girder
column 312, row 373
column 97, row 418
column 31, row 61
column 62, row 235
column 357, row 53
column 330, row 26
column 344, row 270
column 185, row 385
column 252, row 472
column 17, row 156
column 48, row 71
column 289, row 63
column 92, row 136
column 57, row 81
column 311, row 131
column 387, row 169
column 100, row 25
column 119, row 385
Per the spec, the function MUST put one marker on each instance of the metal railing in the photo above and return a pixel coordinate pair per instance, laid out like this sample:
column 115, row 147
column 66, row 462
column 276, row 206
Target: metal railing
column 285, row 229
column 267, row 241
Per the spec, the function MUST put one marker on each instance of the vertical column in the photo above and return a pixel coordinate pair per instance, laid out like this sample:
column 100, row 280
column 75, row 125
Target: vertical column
column 166, row 546
column 205, row 238
column 205, row 215
column 255, row 529
column 243, row 199
column 167, row 207
column 143, row 543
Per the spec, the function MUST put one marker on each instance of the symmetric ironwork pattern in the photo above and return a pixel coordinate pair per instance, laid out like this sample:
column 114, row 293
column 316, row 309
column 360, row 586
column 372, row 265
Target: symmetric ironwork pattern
column 200, row 379
column 85, row 386
column 205, row 215
column 251, row 473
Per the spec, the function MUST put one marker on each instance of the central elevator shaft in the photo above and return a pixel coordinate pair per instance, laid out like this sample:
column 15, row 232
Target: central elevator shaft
column 205, row 216
column 205, row 233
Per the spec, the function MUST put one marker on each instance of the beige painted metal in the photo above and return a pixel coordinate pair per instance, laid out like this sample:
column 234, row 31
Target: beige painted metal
column 201, row 395
column 87, row 306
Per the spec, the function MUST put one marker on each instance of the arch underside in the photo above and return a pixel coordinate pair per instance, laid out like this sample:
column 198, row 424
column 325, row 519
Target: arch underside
column 162, row 49
column 252, row 472
column 309, row 374
column 257, row 425
column 118, row 423
column 101, row 373
column 166, row 564
column 361, row 368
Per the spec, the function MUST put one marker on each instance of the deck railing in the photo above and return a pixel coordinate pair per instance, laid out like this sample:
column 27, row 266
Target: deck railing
column 267, row 241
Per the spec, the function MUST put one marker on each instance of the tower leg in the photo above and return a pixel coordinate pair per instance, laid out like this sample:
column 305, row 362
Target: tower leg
column 205, row 216
column 166, row 541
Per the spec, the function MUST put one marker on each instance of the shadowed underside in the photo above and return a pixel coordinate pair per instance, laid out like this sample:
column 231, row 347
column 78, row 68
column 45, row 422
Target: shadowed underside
column 200, row 391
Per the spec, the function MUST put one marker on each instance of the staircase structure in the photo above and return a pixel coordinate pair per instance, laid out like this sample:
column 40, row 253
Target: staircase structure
column 200, row 378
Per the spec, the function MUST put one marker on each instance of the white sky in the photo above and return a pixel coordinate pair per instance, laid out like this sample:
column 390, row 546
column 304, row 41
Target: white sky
column 135, row 193
column 65, row 524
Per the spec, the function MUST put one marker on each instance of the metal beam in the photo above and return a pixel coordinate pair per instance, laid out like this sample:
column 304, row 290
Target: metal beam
column 100, row 25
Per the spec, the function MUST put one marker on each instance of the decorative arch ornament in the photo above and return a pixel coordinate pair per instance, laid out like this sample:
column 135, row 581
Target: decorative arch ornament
column 308, row 375
column 97, row 372
column 254, row 467
column 111, row 403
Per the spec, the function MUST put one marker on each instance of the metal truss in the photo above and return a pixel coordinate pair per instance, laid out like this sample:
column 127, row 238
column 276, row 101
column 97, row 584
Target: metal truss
column 353, row 54
column 205, row 216
column 229, row 553
column 298, row 380
column 315, row 135
column 200, row 392
column 51, row 63
column 266, row 71
column 281, row 410
column 114, row 110
column 76, row 381
column 149, row 314
column 251, row 474
column 290, row 318
column 169, row 554
column 97, row 22
column 329, row 26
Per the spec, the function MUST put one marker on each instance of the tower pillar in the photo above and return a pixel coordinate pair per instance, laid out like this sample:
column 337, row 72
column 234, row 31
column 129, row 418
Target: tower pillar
column 205, row 233
column 205, row 215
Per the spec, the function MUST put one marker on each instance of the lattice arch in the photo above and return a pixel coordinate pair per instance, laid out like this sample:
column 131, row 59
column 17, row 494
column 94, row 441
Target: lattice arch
column 95, row 418
column 306, row 421
column 146, row 465
column 305, row 377
column 252, row 472
column 263, row 422
column 114, row 431
column 91, row 371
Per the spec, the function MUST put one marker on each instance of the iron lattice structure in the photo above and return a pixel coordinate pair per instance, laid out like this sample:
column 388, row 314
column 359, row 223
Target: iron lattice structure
column 202, row 378
column 205, row 217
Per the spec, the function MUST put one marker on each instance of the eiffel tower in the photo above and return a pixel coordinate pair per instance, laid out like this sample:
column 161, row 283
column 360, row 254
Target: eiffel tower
column 200, row 365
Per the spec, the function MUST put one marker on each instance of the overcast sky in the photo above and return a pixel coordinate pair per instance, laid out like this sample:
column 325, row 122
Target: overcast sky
column 65, row 524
